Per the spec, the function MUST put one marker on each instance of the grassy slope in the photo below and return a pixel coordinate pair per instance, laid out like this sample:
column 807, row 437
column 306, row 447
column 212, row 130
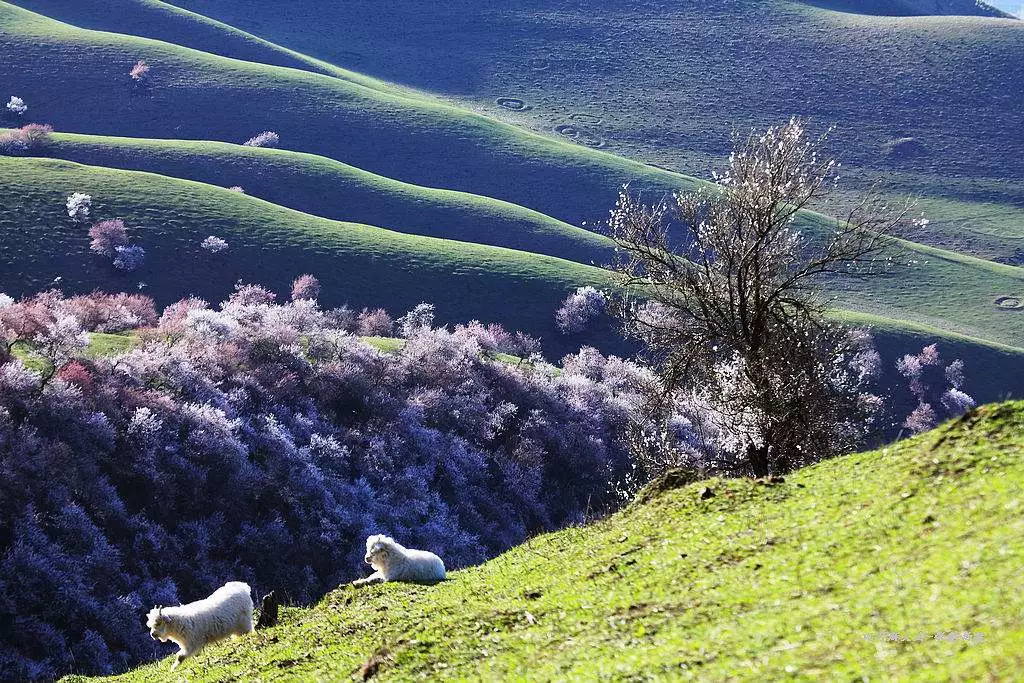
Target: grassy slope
column 994, row 372
column 77, row 80
column 331, row 189
column 167, row 22
column 798, row 580
column 272, row 244
column 269, row 244
column 412, row 137
column 664, row 83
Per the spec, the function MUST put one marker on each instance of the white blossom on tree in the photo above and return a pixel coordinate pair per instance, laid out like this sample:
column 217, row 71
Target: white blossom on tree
column 267, row 138
column 79, row 205
column 214, row 244
column 16, row 105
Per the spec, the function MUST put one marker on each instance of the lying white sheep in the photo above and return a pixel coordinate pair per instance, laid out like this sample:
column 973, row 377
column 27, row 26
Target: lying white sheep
column 226, row 613
column 395, row 562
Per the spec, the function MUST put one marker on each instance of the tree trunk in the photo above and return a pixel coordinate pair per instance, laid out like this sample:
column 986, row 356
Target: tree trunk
column 268, row 612
column 757, row 456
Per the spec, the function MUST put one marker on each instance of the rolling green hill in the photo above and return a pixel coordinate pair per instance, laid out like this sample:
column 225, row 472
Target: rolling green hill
column 167, row 22
column 331, row 189
column 157, row 205
column 931, row 102
column 379, row 154
column 872, row 566
column 78, row 81
column 269, row 244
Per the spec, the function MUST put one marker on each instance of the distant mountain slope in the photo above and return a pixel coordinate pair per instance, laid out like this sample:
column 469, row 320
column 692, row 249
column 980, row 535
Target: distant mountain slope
column 77, row 80
column 900, row 564
column 163, row 21
column 913, row 7
column 931, row 102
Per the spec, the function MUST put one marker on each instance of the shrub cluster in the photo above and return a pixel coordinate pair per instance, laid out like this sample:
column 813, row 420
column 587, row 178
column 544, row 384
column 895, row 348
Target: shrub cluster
column 28, row 138
column 263, row 442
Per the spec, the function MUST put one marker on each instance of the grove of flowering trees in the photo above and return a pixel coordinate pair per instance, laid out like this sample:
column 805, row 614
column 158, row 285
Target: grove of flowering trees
column 263, row 441
column 926, row 376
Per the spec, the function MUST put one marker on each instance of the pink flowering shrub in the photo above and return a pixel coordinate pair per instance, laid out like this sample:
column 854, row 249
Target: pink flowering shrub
column 374, row 323
column 264, row 441
column 139, row 71
column 107, row 236
column 29, row 138
column 305, row 287
column 938, row 389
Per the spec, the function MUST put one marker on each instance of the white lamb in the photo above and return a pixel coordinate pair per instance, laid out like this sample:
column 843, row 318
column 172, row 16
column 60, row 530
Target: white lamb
column 226, row 613
column 394, row 562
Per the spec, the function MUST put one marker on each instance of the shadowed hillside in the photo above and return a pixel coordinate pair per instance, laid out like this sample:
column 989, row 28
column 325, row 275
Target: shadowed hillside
column 930, row 101
column 898, row 8
column 331, row 189
column 898, row 564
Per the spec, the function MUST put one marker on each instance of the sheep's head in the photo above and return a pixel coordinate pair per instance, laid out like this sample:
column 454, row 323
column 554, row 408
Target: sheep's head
column 379, row 549
column 157, row 623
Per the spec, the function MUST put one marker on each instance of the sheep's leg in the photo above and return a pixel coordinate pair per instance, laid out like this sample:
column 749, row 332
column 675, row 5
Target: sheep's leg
column 179, row 658
column 376, row 577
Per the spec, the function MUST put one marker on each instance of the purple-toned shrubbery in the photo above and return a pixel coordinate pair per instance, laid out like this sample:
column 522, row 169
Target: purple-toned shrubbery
column 938, row 389
column 578, row 309
column 263, row 442
column 29, row 138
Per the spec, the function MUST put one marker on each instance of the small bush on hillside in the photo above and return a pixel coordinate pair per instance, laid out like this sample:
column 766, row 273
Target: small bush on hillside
column 214, row 244
column 419, row 318
column 79, row 205
column 305, row 287
column 17, row 106
column 129, row 257
column 265, row 139
column 107, row 236
column 29, row 138
column 578, row 309
column 374, row 323
column 139, row 71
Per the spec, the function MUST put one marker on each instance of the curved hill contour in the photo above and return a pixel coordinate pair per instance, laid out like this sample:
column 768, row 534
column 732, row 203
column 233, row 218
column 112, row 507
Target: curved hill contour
column 325, row 187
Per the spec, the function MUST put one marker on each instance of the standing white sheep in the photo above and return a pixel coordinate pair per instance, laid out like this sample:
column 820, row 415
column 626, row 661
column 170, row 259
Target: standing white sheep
column 226, row 613
column 394, row 562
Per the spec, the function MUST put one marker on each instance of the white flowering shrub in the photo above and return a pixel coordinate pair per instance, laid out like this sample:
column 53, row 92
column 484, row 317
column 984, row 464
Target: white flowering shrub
column 214, row 244
column 79, row 205
column 17, row 106
column 724, row 290
column 267, row 138
column 578, row 309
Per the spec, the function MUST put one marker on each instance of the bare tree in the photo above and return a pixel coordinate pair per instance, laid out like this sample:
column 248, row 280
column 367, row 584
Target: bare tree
column 726, row 293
